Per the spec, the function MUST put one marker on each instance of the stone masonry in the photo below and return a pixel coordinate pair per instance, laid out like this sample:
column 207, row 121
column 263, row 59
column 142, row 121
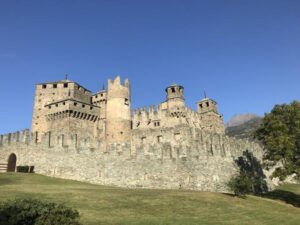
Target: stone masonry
column 97, row 138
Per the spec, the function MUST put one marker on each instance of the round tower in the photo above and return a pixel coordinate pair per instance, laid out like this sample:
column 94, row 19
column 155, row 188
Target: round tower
column 175, row 96
column 118, row 116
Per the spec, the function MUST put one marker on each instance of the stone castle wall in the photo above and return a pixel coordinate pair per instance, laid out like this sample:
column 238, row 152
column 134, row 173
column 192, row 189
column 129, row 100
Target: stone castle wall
column 205, row 162
column 96, row 138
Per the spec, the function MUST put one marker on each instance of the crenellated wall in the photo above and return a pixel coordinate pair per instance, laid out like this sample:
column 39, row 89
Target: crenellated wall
column 192, row 160
column 96, row 138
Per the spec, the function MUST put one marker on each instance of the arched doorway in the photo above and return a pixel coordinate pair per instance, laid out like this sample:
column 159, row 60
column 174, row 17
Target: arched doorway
column 12, row 161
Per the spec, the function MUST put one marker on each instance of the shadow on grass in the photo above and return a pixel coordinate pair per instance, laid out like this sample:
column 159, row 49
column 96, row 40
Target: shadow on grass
column 8, row 178
column 5, row 181
column 286, row 196
column 235, row 196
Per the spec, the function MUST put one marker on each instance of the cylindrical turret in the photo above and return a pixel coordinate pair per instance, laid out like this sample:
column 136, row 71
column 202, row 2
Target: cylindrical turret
column 118, row 117
column 175, row 96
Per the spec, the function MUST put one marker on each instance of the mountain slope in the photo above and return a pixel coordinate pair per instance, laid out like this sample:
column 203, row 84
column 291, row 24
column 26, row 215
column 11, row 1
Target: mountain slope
column 243, row 127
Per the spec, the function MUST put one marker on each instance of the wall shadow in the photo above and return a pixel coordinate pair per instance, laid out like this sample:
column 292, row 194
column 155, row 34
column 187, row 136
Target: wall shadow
column 249, row 164
column 285, row 196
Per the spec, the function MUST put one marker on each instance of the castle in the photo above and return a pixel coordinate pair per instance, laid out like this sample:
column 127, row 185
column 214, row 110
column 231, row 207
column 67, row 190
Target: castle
column 97, row 138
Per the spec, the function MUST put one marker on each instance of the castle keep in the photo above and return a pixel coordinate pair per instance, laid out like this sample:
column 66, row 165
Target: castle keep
column 98, row 138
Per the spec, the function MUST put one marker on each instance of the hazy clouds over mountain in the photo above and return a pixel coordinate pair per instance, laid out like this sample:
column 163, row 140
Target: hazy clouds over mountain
column 240, row 119
column 243, row 125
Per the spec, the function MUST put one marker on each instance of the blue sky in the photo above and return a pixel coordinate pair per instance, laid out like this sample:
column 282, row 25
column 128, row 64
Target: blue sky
column 245, row 54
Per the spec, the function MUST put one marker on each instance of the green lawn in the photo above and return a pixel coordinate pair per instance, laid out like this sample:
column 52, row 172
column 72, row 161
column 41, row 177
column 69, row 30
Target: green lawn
column 119, row 206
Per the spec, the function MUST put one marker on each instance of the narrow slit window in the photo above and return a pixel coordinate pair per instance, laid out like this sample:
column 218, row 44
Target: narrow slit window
column 126, row 101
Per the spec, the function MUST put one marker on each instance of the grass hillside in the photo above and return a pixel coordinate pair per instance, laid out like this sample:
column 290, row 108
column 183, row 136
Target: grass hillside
column 119, row 206
column 244, row 130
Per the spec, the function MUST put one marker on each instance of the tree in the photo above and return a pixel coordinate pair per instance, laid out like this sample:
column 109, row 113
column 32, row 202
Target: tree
column 36, row 212
column 250, row 179
column 280, row 135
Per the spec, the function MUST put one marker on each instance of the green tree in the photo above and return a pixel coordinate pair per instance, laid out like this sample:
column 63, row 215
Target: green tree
column 280, row 134
column 36, row 212
column 250, row 179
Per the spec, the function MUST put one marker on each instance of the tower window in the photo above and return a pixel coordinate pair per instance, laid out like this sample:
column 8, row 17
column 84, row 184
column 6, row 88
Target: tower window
column 54, row 85
column 75, row 103
column 201, row 106
column 44, row 86
column 173, row 90
column 207, row 104
column 65, row 85
column 157, row 124
column 126, row 101
column 83, row 106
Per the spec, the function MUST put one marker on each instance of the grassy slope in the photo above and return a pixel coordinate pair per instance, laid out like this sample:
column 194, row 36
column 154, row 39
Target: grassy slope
column 108, row 205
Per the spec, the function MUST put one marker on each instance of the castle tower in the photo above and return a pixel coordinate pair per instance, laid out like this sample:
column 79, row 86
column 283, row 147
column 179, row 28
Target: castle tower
column 46, row 93
column 212, row 121
column 207, row 105
column 118, row 114
column 175, row 97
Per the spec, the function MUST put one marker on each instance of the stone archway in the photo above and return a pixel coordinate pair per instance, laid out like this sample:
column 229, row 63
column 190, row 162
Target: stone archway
column 12, row 161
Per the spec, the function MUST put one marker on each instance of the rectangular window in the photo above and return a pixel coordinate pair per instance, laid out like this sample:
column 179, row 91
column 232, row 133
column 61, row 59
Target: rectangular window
column 126, row 101
column 65, row 85
column 159, row 139
column 143, row 140
column 54, row 85
column 44, row 86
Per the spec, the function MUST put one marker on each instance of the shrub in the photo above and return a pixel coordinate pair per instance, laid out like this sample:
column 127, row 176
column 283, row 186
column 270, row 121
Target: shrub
column 245, row 183
column 240, row 185
column 36, row 212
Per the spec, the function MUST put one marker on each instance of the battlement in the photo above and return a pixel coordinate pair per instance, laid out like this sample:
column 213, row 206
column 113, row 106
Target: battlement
column 116, row 83
column 47, row 140
column 61, row 84
column 23, row 136
column 179, row 145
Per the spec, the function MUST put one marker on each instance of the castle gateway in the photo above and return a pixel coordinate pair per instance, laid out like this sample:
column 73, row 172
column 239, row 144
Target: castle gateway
column 97, row 138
